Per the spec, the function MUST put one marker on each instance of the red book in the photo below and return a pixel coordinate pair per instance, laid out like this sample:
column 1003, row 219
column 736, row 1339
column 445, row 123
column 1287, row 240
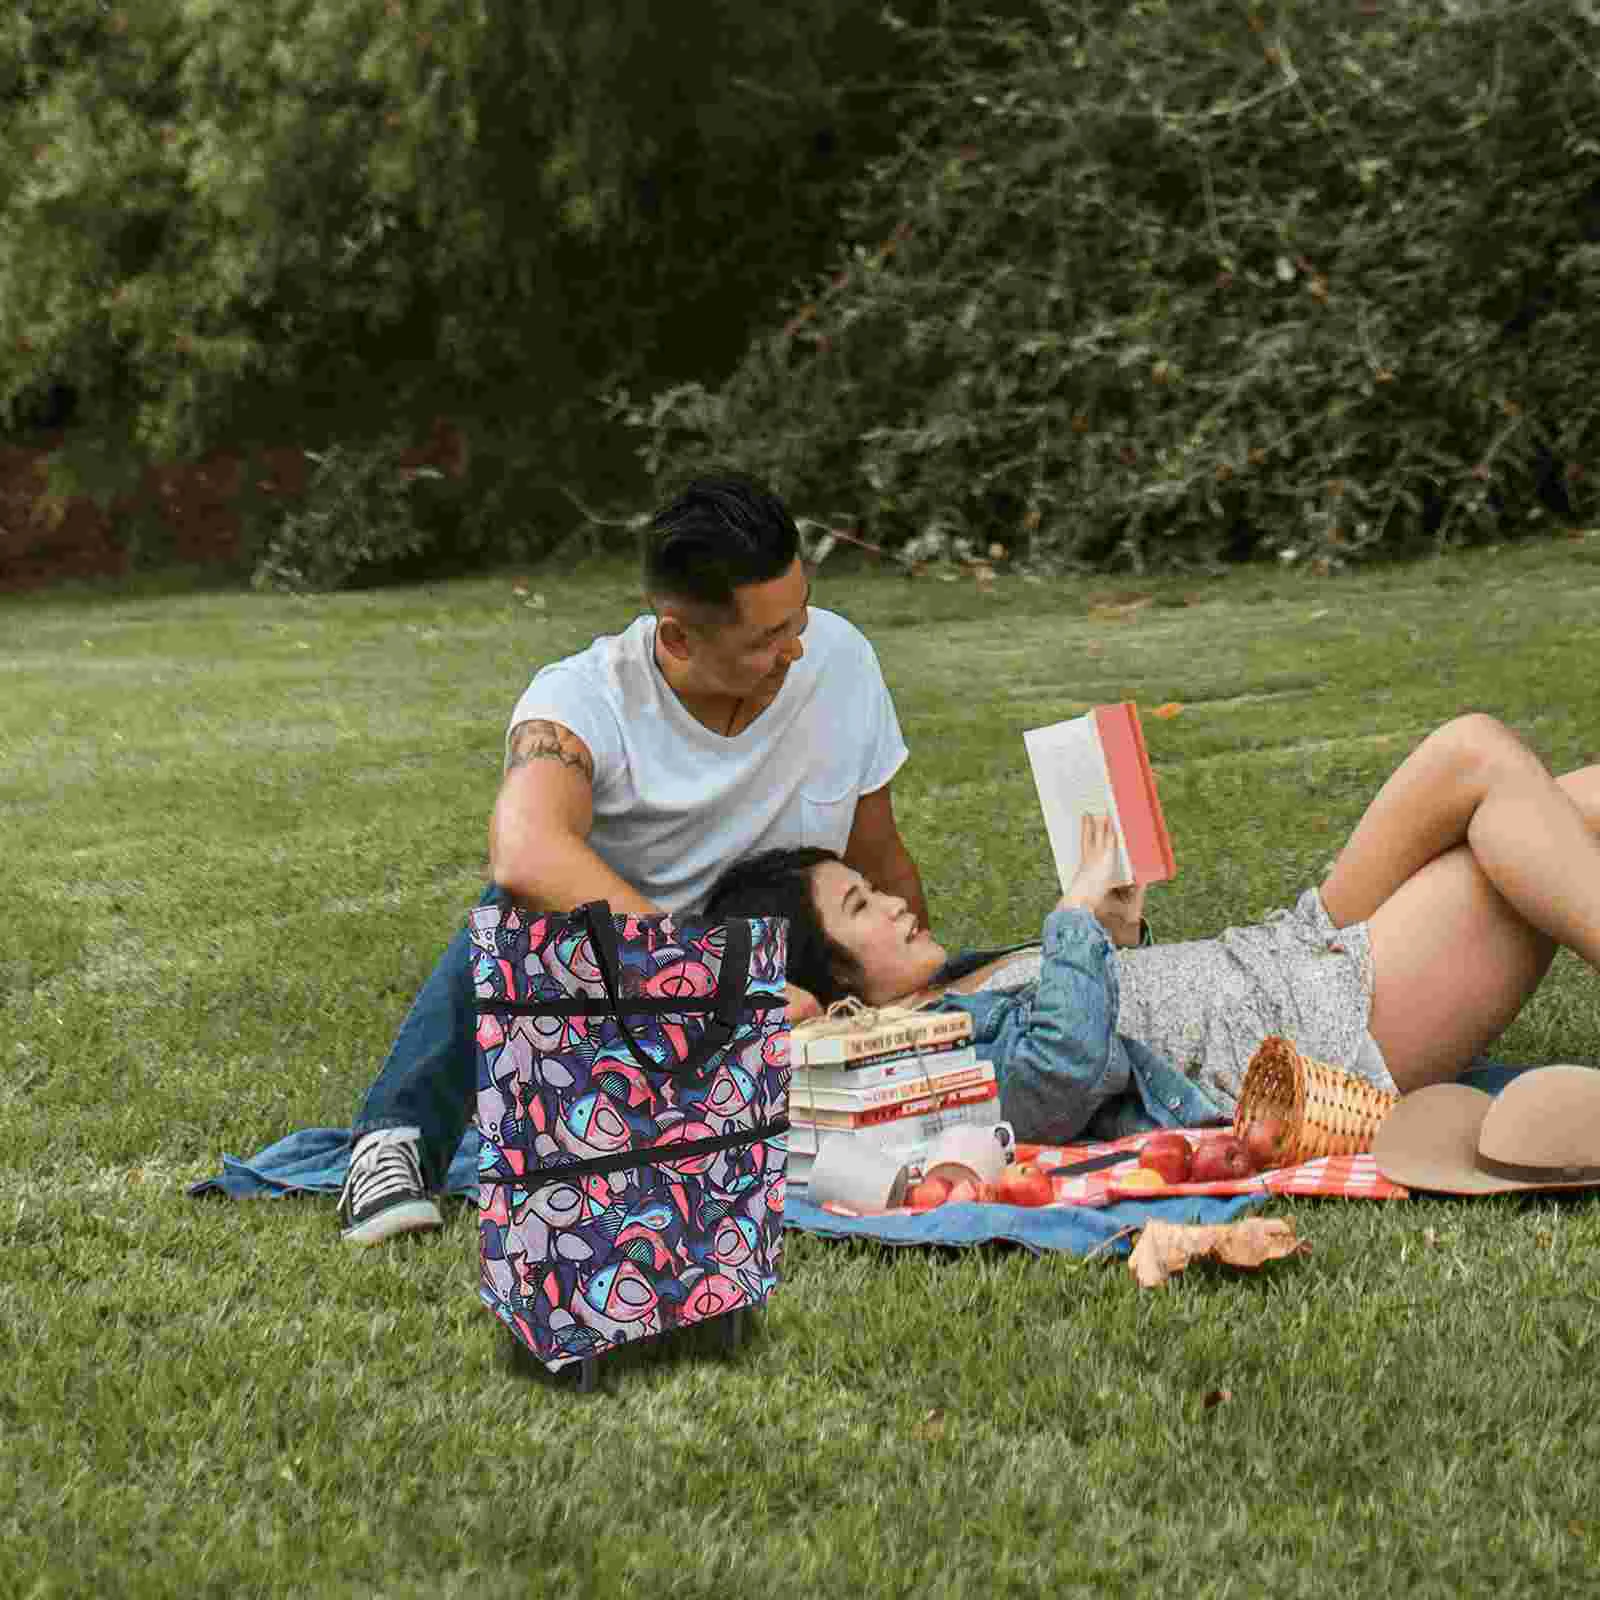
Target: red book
column 903, row 1126
column 1098, row 763
column 874, row 1116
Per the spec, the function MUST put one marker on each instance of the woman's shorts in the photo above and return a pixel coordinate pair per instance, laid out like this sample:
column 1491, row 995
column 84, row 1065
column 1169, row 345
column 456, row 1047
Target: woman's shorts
column 1206, row 1004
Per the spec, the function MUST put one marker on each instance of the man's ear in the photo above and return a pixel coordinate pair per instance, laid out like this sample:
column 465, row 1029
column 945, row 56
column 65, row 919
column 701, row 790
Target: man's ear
column 673, row 636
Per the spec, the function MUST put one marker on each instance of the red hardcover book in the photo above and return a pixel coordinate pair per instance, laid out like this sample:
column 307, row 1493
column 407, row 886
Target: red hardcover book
column 978, row 1107
column 1098, row 763
column 807, row 1088
column 903, row 1112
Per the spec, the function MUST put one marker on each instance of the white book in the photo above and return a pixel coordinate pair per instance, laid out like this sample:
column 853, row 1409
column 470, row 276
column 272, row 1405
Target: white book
column 1098, row 763
column 911, row 1068
column 858, row 1118
column 902, row 1131
column 804, row 1097
column 876, row 1035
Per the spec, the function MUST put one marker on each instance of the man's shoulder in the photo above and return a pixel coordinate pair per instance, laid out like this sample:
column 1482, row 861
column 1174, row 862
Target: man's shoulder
column 839, row 652
column 830, row 629
column 590, row 690
column 606, row 663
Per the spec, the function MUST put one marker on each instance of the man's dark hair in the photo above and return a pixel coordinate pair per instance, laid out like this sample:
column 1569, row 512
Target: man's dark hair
column 718, row 535
column 777, row 883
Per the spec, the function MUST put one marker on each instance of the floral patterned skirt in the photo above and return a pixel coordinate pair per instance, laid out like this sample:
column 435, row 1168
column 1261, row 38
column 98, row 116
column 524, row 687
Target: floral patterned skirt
column 1206, row 1004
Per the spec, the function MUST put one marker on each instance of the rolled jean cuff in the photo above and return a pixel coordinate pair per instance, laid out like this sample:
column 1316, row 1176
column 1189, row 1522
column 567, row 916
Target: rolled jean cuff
column 361, row 1129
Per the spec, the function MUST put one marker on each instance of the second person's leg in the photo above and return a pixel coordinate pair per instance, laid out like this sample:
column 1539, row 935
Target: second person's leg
column 1455, row 959
column 1454, row 964
column 429, row 1076
column 1474, row 783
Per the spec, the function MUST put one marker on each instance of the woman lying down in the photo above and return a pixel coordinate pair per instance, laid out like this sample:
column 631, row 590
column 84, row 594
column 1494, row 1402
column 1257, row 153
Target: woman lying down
column 1437, row 923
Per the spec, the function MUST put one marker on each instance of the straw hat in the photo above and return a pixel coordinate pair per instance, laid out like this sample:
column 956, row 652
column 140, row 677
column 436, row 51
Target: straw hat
column 1542, row 1131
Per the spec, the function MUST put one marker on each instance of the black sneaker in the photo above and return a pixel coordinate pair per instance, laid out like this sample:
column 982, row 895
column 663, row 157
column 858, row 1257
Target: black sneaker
column 384, row 1195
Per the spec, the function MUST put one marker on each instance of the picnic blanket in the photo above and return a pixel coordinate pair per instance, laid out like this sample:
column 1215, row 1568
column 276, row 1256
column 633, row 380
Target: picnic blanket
column 1090, row 1210
column 1093, row 1209
column 1072, row 1229
column 315, row 1160
column 1332, row 1177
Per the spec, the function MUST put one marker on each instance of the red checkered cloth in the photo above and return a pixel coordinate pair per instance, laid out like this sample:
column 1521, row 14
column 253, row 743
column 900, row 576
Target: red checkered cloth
column 1339, row 1177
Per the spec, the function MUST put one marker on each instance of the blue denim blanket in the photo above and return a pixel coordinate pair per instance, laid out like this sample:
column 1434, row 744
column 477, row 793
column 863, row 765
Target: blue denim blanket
column 315, row 1160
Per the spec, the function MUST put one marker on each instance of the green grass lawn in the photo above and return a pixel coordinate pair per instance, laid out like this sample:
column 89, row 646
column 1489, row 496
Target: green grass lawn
column 237, row 832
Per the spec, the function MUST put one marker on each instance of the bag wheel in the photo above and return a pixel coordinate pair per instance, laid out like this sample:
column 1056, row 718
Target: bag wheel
column 733, row 1333
column 588, row 1375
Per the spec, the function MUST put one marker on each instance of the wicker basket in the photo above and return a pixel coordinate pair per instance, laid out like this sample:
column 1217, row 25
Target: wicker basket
column 1328, row 1112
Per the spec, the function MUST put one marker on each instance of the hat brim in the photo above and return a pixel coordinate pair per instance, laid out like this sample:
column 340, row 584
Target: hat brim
column 1430, row 1141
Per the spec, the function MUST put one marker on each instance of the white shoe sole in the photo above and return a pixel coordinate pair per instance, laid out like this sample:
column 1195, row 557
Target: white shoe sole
column 411, row 1216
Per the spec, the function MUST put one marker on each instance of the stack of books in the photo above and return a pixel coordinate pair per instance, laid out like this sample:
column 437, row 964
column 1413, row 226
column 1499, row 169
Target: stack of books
column 892, row 1078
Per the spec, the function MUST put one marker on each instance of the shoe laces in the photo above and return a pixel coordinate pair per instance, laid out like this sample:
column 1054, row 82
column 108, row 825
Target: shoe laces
column 387, row 1166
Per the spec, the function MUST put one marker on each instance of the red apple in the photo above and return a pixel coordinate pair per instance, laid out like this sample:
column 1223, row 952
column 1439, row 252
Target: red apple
column 1220, row 1159
column 1169, row 1154
column 1267, row 1141
column 1023, row 1184
column 929, row 1193
column 966, row 1189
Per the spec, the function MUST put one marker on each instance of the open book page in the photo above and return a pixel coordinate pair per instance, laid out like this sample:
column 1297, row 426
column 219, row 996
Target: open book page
column 1069, row 771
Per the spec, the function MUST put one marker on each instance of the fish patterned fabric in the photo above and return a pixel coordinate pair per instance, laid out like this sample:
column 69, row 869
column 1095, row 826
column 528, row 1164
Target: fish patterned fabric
column 592, row 1232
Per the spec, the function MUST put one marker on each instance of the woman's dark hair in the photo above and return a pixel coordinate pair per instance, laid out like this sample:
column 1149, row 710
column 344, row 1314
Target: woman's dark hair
column 718, row 535
column 777, row 883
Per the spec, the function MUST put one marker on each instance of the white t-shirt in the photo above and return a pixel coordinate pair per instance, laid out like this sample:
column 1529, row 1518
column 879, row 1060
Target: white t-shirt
column 675, row 803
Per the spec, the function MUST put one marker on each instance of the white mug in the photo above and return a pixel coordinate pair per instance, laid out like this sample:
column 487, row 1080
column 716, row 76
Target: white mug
column 968, row 1151
column 848, row 1173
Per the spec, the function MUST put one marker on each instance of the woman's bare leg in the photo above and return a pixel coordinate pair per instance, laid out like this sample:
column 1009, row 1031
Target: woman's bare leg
column 1474, row 782
column 1456, row 958
column 1454, row 964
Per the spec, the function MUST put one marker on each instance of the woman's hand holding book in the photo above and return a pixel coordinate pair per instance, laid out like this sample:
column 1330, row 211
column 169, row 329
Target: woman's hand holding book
column 1118, row 909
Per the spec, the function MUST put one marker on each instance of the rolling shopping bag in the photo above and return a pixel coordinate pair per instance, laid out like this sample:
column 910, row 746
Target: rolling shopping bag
column 633, row 1079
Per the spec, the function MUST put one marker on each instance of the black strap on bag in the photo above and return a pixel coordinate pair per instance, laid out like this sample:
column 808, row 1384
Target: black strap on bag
column 724, row 1007
column 564, row 1169
column 723, row 1022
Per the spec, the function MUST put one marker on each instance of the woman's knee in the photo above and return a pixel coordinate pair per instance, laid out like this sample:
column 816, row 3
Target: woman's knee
column 1478, row 746
column 1582, row 788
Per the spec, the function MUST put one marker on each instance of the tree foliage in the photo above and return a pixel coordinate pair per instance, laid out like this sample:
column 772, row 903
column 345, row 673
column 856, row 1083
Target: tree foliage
column 1168, row 283
column 343, row 208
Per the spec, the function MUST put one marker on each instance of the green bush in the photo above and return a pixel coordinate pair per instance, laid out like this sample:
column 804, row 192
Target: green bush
column 362, row 515
column 1173, row 283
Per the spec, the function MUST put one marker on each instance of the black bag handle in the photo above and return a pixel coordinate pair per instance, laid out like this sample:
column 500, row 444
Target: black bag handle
column 732, row 982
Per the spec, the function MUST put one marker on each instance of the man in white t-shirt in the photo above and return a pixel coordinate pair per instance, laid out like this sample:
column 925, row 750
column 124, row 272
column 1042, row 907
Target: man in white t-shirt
column 732, row 718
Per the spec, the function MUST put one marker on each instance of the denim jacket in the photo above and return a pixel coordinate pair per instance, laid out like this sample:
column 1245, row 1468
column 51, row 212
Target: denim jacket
column 1063, row 1068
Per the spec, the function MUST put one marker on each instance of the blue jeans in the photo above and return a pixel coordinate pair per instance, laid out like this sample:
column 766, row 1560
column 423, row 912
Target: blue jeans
column 431, row 1073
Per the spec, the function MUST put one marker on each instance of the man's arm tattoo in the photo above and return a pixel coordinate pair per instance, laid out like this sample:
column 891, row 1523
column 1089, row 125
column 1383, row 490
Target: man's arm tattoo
column 547, row 741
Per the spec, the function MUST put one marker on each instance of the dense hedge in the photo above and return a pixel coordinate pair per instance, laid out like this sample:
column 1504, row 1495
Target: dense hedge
column 325, row 223
column 1173, row 283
